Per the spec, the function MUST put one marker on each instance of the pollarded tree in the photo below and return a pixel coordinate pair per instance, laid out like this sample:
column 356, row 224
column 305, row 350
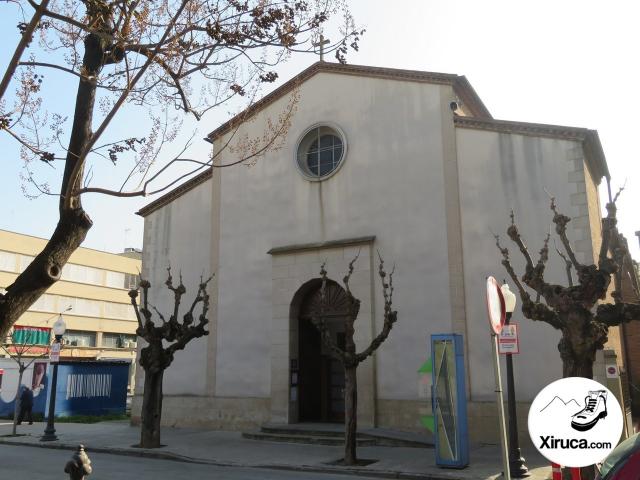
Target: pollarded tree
column 575, row 308
column 348, row 356
column 163, row 341
column 186, row 55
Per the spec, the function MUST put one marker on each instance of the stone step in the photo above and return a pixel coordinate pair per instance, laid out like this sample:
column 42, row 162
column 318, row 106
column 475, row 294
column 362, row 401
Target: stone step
column 335, row 432
column 313, row 432
column 305, row 438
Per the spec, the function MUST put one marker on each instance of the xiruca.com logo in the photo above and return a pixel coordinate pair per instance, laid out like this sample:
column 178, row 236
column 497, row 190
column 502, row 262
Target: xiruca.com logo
column 575, row 422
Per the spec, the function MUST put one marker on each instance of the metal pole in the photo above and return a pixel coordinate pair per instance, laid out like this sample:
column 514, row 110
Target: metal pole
column 50, row 431
column 501, row 427
column 516, row 462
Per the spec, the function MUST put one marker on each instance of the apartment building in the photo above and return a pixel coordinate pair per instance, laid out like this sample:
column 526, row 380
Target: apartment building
column 92, row 296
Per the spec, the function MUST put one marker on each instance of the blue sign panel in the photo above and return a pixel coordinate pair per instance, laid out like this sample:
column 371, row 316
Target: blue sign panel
column 449, row 401
column 91, row 388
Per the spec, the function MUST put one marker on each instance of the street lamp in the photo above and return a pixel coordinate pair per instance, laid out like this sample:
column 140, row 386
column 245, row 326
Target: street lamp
column 59, row 327
column 516, row 462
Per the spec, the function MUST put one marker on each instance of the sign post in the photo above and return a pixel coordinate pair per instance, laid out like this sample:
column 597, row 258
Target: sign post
column 497, row 313
column 54, row 353
column 508, row 342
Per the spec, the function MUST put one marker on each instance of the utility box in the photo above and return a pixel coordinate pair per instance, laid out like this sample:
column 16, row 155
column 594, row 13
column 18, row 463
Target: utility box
column 449, row 401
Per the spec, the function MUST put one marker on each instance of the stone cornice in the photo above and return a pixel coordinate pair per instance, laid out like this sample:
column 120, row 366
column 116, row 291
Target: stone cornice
column 460, row 84
column 175, row 193
column 303, row 247
column 590, row 140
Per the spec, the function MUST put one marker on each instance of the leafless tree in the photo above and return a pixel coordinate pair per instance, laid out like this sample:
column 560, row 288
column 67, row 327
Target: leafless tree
column 162, row 342
column 576, row 309
column 348, row 356
column 187, row 55
column 22, row 352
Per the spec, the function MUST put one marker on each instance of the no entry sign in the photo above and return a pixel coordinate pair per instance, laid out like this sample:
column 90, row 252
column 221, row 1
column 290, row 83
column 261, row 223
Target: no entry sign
column 495, row 305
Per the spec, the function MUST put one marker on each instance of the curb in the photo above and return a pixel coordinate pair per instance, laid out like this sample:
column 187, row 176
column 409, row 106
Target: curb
column 129, row 452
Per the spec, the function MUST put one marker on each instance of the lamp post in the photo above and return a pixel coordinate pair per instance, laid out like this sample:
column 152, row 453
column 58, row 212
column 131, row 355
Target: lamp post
column 59, row 328
column 516, row 462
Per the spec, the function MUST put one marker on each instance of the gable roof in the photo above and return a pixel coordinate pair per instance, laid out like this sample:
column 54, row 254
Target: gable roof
column 460, row 84
column 480, row 118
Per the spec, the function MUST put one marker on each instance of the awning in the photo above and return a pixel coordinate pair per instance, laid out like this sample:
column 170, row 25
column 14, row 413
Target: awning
column 27, row 335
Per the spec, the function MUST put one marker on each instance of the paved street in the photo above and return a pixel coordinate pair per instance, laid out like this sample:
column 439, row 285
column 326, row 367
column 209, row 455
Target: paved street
column 48, row 464
column 188, row 448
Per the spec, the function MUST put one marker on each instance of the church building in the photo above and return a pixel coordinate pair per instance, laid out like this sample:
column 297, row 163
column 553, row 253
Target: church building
column 410, row 164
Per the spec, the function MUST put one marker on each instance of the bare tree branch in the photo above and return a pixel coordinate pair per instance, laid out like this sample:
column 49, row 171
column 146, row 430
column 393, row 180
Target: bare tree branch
column 532, row 310
column 615, row 314
column 390, row 315
column 561, row 222
column 27, row 36
column 567, row 264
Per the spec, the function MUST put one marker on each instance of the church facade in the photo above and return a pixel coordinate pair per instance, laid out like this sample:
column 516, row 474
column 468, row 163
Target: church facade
column 409, row 164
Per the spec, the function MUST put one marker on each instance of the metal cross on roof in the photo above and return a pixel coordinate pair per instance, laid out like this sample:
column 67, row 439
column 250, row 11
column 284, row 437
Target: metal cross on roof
column 321, row 43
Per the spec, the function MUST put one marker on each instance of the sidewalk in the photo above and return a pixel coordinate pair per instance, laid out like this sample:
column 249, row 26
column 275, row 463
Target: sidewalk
column 230, row 449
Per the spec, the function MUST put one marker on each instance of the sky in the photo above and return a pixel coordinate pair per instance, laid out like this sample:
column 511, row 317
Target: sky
column 555, row 62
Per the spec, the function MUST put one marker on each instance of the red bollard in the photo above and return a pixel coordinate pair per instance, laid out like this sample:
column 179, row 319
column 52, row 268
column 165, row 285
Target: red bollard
column 556, row 472
column 575, row 474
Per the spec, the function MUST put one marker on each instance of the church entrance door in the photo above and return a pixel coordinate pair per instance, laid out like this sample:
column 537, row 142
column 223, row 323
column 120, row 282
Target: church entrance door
column 321, row 376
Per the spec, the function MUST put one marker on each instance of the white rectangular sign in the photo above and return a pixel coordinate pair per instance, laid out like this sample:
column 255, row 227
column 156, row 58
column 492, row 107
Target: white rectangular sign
column 508, row 340
column 54, row 353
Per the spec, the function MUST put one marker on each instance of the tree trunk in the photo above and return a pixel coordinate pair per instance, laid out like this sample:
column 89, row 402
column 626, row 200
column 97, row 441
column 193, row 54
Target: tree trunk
column 151, row 409
column 16, row 407
column 74, row 223
column 45, row 269
column 350, row 415
column 577, row 367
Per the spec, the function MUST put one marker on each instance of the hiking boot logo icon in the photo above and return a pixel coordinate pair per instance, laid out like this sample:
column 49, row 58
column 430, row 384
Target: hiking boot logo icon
column 595, row 408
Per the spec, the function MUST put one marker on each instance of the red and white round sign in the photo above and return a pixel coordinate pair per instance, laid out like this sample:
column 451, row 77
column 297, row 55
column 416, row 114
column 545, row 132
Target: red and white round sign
column 495, row 305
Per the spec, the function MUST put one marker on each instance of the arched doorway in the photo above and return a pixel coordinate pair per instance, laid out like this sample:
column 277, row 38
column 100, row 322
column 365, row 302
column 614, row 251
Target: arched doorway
column 320, row 376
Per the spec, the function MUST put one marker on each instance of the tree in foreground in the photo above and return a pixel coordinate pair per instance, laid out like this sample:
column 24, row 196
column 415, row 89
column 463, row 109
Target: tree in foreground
column 163, row 341
column 575, row 309
column 348, row 356
column 21, row 350
column 191, row 56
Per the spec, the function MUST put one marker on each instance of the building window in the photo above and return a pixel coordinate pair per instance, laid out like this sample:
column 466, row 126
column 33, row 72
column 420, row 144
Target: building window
column 8, row 261
column 115, row 279
column 320, row 152
column 77, row 338
column 131, row 281
column 82, row 274
column 118, row 340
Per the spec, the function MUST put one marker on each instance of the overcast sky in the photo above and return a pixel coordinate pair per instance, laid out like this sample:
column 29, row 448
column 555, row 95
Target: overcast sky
column 569, row 62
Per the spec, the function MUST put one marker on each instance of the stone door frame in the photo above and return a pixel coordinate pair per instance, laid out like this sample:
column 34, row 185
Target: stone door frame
column 293, row 270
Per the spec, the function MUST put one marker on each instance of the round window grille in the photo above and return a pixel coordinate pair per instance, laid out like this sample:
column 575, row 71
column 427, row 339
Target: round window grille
column 320, row 152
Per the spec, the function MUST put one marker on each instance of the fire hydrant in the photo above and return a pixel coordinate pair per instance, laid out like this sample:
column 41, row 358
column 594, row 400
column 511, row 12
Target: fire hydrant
column 79, row 465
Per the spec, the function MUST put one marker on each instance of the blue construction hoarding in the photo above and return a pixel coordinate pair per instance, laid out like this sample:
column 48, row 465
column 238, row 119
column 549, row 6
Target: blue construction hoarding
column 91, row 388
column 83, row 387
